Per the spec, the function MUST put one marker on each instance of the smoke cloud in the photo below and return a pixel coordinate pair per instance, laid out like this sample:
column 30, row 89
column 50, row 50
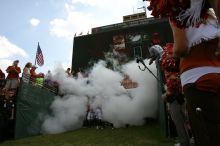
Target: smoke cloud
column 102, row 88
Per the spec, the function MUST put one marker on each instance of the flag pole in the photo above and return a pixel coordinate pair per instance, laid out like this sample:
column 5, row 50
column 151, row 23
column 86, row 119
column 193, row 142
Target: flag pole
column 36, row 55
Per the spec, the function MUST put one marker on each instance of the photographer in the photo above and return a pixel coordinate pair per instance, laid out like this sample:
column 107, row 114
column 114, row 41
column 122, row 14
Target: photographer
column 156, row 52
column 13, row 76
column 167, row 66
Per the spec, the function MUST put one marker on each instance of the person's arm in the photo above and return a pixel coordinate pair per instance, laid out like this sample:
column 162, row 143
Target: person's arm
column 180, row 47
column 17, row 70
column 9, row 69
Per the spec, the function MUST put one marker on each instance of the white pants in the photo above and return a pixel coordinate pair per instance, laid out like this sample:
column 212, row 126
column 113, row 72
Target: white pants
column 11, row 83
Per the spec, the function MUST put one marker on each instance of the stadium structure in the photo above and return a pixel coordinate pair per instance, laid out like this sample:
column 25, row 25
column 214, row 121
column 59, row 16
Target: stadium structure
column 132, row 38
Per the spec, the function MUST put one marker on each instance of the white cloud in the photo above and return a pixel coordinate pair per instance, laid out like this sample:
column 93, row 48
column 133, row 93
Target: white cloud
column 4, row 63
column 82, row 15
column 75, row 22
column 34, row 22
column 106, row 4
column 8, row 49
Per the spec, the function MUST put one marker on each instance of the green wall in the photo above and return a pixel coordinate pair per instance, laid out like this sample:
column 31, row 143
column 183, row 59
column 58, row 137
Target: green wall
column 32, row 105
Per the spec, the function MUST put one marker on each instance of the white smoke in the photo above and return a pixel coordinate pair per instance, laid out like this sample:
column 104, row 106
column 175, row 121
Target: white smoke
column 68, row 114
column 102, row 88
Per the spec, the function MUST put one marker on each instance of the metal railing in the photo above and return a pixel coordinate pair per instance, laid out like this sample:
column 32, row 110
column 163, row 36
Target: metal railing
column 50, row 85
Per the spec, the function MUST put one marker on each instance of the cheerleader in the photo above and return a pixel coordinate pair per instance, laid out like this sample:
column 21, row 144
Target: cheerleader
column 196, row 41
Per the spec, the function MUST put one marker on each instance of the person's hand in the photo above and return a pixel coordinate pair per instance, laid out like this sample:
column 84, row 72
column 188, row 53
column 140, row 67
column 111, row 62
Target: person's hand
column 151, row 61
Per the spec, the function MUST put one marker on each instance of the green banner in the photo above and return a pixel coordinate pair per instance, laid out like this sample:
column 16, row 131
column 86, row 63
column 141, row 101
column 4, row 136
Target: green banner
column 32, row 105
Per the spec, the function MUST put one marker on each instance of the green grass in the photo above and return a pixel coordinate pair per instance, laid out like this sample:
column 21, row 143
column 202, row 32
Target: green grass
column 148, row 135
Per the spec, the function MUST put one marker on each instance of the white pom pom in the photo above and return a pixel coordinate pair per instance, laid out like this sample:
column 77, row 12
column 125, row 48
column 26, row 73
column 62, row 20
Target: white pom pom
column 192, row 14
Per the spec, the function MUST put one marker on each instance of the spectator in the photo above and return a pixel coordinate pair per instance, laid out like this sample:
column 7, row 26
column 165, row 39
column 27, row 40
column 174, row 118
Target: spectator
column 155, row 52
column 34, row 74
column 13, row 76
column 26, row 72
column 7, row 115
column 68, row 72
column 48, row 78
column 196, row 37
column 2, row 79
column 37, row 79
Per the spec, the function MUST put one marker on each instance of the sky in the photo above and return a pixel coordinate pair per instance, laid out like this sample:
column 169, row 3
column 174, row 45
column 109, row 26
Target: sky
column 53, row 23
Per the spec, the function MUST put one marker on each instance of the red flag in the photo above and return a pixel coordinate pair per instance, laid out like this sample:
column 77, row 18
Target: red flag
column 39, row 56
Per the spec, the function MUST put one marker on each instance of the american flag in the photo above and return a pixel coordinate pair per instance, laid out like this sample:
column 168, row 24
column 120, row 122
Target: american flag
column 39, row 56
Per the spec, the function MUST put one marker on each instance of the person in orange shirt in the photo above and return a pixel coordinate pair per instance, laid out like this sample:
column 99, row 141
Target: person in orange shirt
column 13, row 76
column 35, row 75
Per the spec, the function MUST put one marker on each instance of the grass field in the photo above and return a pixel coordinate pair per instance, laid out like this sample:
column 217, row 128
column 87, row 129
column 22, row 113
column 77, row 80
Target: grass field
column 148, row 135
